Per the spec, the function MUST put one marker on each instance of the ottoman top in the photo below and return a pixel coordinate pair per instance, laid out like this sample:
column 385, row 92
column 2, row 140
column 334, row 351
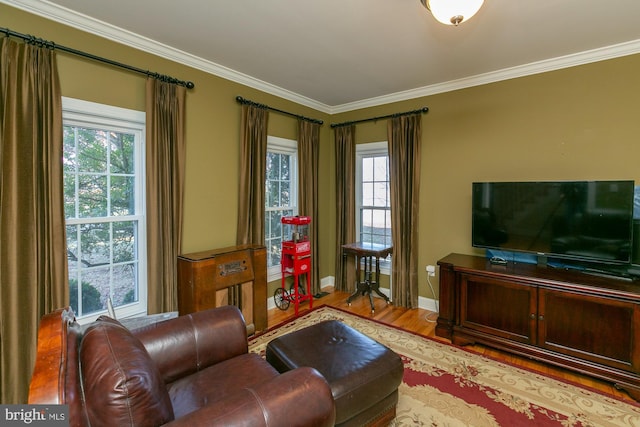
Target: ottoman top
column 359, row 370
column 333, row 348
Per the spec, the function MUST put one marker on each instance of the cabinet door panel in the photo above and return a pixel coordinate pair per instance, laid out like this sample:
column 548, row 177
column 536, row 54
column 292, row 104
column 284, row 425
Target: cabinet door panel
column 592, row 328
column 498, row 307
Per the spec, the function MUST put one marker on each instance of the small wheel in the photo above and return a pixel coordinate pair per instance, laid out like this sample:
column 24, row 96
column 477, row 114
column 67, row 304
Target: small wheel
column 292, row 290
column 281, row 299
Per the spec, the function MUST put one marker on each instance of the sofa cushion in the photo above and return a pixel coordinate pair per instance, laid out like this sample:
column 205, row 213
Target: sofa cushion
column 122, row 385
column 215, row 383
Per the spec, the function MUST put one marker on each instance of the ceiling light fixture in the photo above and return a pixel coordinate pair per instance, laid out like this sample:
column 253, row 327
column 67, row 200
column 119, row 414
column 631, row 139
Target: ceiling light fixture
column 452, row 12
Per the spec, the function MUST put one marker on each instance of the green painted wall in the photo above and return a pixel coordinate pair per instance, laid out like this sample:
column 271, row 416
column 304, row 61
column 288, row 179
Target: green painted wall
column 576, row 123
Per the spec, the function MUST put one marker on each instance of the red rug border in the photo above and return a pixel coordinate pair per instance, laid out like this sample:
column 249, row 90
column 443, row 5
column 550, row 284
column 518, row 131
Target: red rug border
column 462, row 348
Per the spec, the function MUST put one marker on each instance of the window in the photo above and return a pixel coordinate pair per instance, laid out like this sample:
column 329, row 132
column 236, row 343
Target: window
column 281, row 197
column 373, row 201
column 104, row 208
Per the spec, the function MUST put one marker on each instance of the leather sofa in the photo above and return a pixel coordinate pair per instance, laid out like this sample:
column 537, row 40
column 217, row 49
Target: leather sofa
column 191, row 370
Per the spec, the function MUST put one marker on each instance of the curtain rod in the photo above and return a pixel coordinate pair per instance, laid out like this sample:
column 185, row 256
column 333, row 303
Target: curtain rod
column 423, row 110
column 241, row 100
column 51, row 45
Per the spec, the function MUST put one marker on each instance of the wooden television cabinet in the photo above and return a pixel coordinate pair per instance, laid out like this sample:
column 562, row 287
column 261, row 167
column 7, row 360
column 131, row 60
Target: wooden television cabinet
column 585, row 323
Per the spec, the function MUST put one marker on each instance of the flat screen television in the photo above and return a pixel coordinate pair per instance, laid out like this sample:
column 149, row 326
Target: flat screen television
column 575, row 220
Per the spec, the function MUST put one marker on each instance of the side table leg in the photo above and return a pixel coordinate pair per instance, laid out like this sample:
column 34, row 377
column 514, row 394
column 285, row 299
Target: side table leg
column 361, row 287
column 373, row 307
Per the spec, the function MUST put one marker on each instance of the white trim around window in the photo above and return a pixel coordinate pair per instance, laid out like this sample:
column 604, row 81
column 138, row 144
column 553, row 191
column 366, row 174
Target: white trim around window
column 82, row 113
column 285, row 146
column 366, row 150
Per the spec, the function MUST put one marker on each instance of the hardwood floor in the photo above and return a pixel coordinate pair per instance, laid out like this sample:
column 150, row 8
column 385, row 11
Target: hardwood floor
column 423, row 322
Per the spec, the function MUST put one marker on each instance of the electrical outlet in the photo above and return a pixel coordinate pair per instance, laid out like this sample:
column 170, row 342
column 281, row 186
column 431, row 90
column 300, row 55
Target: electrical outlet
column 431, row 270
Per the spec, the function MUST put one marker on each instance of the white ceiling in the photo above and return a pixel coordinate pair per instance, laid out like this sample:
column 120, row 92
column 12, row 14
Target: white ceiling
column 338, row 55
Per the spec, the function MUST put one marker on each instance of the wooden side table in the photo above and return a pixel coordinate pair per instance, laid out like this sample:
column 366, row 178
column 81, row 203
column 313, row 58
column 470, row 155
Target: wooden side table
column 369, row 284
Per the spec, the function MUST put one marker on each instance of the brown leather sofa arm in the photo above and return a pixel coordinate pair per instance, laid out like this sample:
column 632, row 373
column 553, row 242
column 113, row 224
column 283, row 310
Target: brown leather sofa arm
column 47, row 381
column 300, row 397
column 189, row 343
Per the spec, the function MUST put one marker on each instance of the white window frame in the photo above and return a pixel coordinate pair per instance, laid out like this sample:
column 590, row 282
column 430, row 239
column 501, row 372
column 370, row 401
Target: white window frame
column 76, row 112
column 368, row 150
column 284, row 146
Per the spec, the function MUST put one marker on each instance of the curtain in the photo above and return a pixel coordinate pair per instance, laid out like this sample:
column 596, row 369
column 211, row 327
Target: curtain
column 253, row 164
column 165, row 163
column 308, row 159
column 404, row 139
column 33, row 264
column 345, row 156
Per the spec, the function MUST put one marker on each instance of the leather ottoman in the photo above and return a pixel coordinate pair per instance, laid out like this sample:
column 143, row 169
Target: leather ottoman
column 363, row 374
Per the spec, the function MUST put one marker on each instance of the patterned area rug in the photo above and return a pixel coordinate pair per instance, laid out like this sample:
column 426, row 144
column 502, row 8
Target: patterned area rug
column 445, row 385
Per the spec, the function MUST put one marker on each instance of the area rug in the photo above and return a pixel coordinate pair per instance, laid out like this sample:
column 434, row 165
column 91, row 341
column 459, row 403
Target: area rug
column 446, row 385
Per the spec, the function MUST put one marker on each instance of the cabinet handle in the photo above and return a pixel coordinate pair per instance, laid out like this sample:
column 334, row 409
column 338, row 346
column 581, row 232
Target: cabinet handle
column 532, row 316
column 541, row 317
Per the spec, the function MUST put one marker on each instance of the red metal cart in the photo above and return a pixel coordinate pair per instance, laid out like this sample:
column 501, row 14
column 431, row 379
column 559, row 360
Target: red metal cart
column 295, row 261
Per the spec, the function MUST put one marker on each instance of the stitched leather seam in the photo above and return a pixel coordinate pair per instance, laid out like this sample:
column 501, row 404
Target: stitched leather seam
column 264, row 410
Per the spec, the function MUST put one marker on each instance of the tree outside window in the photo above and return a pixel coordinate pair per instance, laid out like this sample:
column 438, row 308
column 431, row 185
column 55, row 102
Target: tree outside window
column 104, row 209
column 281, row 196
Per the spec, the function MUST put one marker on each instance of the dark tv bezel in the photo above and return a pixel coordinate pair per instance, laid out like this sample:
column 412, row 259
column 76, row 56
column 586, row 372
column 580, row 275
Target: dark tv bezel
column 554, row 255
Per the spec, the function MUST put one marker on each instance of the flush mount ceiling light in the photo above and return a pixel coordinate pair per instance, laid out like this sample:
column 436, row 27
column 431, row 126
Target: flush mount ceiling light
column 452, row 12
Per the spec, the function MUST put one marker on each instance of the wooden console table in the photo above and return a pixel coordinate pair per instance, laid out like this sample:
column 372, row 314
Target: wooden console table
column 566, row 318
column 367, row 251
column 235, row 275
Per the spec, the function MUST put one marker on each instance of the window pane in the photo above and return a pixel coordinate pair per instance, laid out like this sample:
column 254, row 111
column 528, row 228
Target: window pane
column 72, row 247
column 122, row 153
column 275, row 249
column 122, row 195
column 92, row 150
column 285, row 193
column 380, row 194
column 367, row 218
column 273, row 166
column 378, row 222
column 268, row 194
column 275, row 224
column 88, row 294
column 285, row 172
column 124, row 241
column 94, row 244
column 70, row 161
column 69, row 195
column 367, row 194
column 93, row 293
column 367, row 169
column 92, row 196
column 381, row 172
column 124, row 285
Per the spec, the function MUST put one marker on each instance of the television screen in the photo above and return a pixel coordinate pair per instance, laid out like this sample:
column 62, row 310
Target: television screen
column 584, row 220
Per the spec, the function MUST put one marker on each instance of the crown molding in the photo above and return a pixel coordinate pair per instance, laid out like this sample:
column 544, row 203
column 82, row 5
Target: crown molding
column 99, row 28
column 85, row 23
column 553, row 64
